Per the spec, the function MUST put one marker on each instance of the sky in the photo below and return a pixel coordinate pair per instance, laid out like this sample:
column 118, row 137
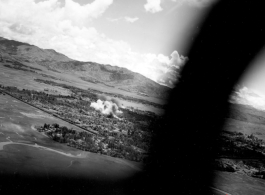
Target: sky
column 251, row 87
column 150, row 37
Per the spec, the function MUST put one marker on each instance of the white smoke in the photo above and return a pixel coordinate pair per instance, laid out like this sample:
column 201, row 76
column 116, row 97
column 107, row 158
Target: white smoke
column 106, row 107
column 105, row 98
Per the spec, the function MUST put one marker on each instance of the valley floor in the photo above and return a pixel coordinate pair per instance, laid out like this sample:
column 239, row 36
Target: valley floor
column 238, row 184
column 25, row 151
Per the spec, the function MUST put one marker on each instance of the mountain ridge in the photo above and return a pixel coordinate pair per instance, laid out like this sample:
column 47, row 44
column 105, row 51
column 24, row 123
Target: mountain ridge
column 109, row 75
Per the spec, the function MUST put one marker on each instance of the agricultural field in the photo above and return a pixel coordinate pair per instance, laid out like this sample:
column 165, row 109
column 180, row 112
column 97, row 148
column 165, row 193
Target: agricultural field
column 24, row 150
column 240, row 166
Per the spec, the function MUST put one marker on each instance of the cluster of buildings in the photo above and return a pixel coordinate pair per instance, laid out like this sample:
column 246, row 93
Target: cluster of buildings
column 110, row 135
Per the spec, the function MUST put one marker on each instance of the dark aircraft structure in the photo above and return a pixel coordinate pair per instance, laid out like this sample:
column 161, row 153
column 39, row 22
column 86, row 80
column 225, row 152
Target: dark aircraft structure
column 232, row 34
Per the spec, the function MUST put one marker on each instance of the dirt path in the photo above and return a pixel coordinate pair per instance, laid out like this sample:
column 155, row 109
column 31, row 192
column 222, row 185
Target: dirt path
column 2, row 144
column 221, row 191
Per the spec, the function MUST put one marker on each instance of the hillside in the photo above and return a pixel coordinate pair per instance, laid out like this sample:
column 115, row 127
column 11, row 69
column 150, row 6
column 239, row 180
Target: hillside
column 111, row 76
column 246, row 113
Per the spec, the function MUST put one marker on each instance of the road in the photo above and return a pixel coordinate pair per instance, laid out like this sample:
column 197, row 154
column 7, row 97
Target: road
column 219, row 192
column 56, row 116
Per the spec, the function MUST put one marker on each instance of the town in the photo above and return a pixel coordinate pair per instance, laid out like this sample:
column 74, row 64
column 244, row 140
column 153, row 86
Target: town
column 111, row 144
column 241, row 153
column 239, row 145
column 127, row 135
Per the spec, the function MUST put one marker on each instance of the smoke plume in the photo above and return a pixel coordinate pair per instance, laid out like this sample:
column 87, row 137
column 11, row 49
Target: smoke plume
column 106, row 107
column 105, row 98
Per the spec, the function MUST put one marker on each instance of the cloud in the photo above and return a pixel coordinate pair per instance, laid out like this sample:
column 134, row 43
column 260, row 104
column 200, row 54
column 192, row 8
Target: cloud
column 248, row 96
column 172, row 68
column 50, row 25
column 198, row 3
column 153, row 6
column 19, row 28
column 76, row 13
column 126, row 19
column 177, row 60
column 51, row 11
column 114, row 19
column 132, row 20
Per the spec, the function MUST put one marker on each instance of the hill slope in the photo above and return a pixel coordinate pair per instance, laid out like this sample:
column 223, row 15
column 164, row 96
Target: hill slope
column 246, row 119
column 247, row 114
column 108, row 75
